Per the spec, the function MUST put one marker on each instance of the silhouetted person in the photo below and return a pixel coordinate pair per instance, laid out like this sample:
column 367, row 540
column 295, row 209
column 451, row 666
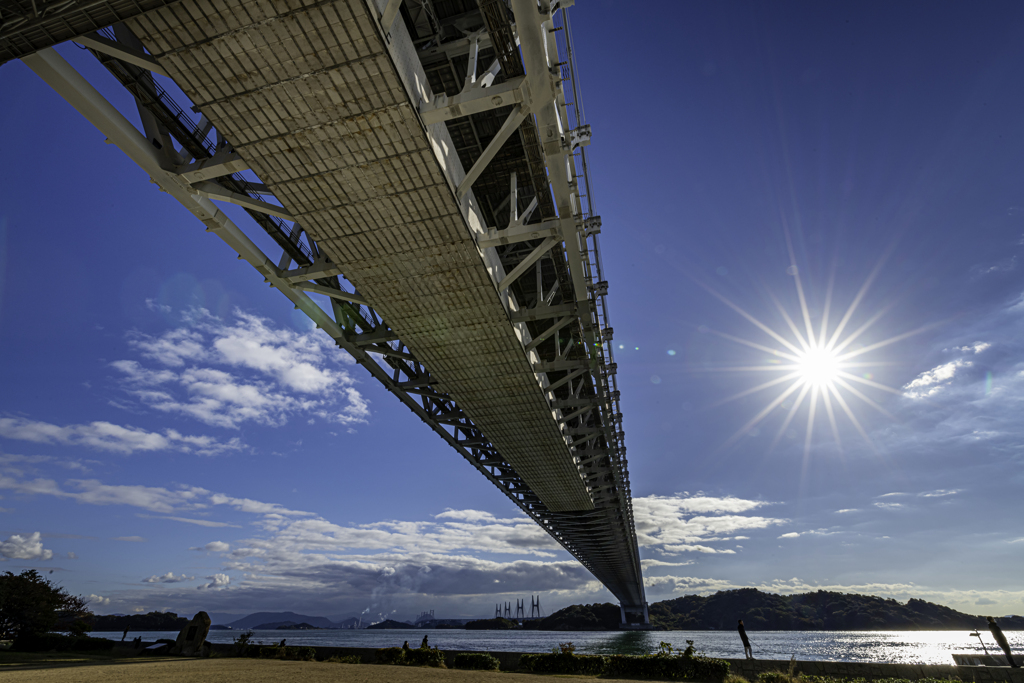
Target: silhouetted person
column 997, row 633
column 747, row 651
column 282, row 642
column 125, row 634
column 424, row 645
column 405, row 645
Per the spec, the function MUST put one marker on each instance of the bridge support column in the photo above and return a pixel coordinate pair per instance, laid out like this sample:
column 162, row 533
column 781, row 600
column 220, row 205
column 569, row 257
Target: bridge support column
column 625, row 610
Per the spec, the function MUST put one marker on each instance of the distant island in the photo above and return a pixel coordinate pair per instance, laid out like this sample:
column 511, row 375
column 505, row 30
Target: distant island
column 286, row 626
column 391, row 623
column 817, row 611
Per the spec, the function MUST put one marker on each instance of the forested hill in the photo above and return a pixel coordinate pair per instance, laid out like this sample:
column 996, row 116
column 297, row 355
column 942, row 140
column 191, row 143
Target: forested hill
column 819, row 611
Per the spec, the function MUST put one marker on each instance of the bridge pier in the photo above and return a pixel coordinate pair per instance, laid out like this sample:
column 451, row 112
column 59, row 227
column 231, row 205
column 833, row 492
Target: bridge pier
column 641, row 609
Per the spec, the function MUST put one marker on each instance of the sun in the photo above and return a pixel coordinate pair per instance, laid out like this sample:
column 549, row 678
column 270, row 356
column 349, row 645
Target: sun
column 814, row 366
column 819, row 367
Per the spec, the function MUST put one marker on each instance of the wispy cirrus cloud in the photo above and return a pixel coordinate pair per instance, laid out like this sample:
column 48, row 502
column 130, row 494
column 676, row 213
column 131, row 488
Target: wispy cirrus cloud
column 106, row 436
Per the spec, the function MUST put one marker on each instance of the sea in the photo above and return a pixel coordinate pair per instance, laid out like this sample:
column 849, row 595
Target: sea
column 897, row 647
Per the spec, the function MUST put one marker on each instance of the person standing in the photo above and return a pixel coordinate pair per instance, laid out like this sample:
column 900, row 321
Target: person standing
column 997, row 633
column 125, row 634
column 747, row 651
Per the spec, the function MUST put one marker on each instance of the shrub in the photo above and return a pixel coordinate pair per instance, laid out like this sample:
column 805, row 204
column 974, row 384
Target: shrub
column 273, row 652
column 390, row 655
column 303, row 654
column 476, row 660
column 425, row 657
column 663, row 665
column 52, row 642
column 345, row 659
column 564, row 663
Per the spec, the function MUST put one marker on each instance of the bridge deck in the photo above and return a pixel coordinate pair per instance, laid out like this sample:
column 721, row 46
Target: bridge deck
column 308, row 96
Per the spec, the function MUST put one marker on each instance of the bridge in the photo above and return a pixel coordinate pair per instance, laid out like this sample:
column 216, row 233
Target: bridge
column 422, row 164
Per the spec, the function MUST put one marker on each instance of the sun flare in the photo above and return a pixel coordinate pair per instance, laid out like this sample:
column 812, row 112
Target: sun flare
column 819, row 367
column 813, row 365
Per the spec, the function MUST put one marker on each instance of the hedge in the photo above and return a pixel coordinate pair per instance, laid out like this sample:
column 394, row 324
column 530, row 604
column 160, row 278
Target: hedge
column 419, row 657
column 564, row 663
column 665, row 666
column 345, row 659
column 476, row 660
column 50, row 642
column 690, row 668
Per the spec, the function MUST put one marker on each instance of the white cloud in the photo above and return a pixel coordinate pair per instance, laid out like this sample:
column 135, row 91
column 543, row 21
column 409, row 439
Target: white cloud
column 791, row 534
column 888, row 506
column 226, row 373
column 940, row 493
column 976, row 347
column 214, row 547
column 668, row 523
column 203, row 522
column 98, row 600
column 106, row 436
column 130, row 539
column 29, row 547
column 217, row 582
column 675, row 549
column 934, row 378
column 169, row 577
column 155, row 499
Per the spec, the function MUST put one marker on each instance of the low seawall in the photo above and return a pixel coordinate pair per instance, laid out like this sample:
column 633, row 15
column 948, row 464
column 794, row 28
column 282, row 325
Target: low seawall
column 749, row 668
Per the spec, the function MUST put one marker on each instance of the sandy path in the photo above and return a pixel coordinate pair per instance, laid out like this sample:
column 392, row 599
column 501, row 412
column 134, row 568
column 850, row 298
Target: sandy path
column 266, row 671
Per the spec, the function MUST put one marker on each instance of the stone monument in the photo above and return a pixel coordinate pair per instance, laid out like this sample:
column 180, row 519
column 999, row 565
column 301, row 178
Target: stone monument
column 191, row 638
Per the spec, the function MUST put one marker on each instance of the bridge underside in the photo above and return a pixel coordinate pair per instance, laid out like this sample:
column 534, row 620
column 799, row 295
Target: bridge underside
column 399, row 146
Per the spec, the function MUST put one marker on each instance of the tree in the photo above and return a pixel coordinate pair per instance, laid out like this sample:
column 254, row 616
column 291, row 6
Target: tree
column 31, row 604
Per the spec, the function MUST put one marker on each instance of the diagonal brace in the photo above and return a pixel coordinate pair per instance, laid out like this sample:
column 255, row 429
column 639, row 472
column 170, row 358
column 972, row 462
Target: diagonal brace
column 544, row 248
column 511, row 125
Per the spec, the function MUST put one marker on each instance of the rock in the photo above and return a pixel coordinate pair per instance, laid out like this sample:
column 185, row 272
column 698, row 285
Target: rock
column 192, row 637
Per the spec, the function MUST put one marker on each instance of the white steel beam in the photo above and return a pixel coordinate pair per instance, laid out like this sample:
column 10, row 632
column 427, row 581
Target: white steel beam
column 314, row 272
column 522, row 233
column 123, row 52
column 511, row 125
column 212, row 190
column 387, row 17
column 331, row 292
column 544, row 248
column 222, row 163
column 473, row 101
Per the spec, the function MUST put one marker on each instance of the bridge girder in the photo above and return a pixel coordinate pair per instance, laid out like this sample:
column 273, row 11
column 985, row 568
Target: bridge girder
column 551, row 266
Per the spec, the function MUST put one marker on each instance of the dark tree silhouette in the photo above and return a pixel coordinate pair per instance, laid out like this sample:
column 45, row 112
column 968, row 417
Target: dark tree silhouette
column 31, row 604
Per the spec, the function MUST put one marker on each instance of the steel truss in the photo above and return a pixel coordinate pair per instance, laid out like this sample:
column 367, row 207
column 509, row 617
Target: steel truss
column 549, row 246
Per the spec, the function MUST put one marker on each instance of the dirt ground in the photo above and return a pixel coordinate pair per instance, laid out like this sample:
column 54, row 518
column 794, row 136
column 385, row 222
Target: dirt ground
column 230, row 670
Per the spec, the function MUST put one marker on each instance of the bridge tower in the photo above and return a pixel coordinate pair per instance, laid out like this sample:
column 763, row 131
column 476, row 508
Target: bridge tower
column 508, row 610
column 535, row 607
column 497, row 610
column 520, row 609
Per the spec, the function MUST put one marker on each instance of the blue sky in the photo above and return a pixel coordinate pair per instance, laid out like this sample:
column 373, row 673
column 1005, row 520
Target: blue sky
column 172, row 436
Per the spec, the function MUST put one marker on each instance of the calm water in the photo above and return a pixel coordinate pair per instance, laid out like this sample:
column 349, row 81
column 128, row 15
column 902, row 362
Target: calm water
column 923, row 647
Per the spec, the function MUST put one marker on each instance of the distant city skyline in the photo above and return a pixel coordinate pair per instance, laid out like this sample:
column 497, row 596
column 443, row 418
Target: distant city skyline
column 173, row 436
